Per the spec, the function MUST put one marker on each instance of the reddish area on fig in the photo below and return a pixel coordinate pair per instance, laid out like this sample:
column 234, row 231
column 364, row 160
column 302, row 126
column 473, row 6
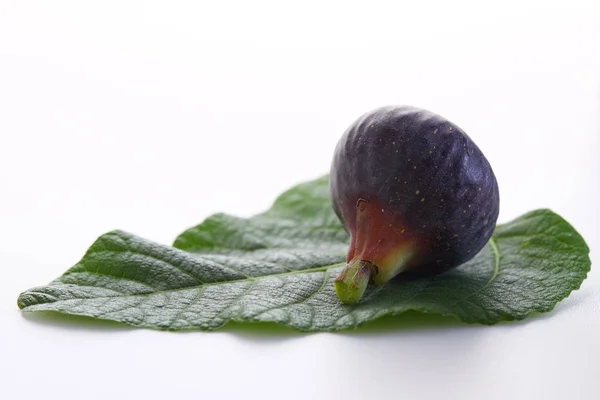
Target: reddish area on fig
column 377, row 235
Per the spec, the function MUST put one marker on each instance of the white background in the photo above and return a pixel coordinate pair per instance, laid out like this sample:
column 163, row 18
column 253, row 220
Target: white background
column 149, row 116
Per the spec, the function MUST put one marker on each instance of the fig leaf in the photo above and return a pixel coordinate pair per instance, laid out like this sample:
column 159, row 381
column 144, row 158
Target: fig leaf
column 280, row 266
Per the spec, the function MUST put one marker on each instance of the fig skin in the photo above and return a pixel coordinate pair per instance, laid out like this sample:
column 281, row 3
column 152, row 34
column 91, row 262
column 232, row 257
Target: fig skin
column 415, row 193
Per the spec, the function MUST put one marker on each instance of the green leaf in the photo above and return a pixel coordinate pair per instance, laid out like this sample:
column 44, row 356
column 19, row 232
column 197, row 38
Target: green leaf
column 280, row 266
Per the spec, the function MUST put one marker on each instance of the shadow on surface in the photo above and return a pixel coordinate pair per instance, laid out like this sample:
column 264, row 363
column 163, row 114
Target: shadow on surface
column 409, row 321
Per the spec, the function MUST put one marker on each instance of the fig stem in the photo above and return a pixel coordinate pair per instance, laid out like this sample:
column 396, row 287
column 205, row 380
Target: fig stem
column 352, row 281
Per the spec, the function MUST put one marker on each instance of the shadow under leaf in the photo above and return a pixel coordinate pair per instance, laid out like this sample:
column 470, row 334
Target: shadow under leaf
column 410, row 320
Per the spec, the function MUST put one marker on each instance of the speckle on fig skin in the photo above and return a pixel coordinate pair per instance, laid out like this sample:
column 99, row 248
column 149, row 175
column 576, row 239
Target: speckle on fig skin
column 363, row 167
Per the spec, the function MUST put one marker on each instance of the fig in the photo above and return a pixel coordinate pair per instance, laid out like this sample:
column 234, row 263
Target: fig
column 416, row 195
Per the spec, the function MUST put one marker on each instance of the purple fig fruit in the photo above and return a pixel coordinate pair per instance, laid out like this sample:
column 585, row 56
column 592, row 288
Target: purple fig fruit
column 415, row 193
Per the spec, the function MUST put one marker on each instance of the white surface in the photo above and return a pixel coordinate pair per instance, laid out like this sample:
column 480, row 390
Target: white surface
column 150, row 116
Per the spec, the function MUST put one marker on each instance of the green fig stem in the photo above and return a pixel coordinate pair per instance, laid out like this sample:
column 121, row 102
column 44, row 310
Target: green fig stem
column 352, row 281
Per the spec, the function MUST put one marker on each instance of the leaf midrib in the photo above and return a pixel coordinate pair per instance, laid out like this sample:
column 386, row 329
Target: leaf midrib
column 495, row 273
column 251, row 278
column 496, row 251
column 491, row 242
